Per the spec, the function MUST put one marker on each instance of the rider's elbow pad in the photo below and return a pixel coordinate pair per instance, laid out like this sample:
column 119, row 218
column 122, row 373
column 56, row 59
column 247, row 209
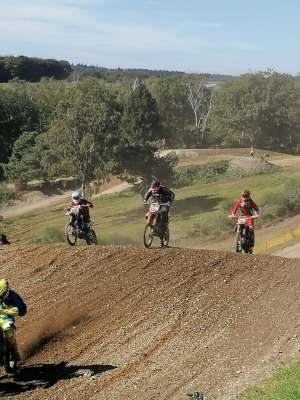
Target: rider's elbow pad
column 12, row 312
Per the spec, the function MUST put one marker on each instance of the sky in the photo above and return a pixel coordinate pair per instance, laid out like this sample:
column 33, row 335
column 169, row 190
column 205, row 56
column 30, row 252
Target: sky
column 214, row 36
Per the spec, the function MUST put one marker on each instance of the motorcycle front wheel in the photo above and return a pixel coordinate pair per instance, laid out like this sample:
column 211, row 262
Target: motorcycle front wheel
column 148, row 235
column 238, row 244
column 71, row 235
column 91, row 238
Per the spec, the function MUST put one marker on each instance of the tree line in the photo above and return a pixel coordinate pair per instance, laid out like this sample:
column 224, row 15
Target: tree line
column 32, row 69
column 91, row 127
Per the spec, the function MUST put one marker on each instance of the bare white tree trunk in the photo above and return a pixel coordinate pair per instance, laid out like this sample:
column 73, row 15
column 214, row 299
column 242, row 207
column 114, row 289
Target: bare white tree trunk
column 208, row 111
column 197, row 97
column 83, row 147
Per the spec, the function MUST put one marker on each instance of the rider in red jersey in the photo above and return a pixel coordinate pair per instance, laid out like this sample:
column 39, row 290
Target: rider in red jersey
column 83, row 207
column 248, row 209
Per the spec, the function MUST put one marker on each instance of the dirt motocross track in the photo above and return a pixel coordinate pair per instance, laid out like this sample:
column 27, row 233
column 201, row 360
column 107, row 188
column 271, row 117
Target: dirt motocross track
column 127, row 323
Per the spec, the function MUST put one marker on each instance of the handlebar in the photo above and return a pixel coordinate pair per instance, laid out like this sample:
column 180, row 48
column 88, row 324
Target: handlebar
column 158, row 204
column 243, row 216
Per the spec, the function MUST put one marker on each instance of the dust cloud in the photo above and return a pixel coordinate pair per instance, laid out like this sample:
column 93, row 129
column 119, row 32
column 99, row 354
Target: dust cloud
column 44, row 331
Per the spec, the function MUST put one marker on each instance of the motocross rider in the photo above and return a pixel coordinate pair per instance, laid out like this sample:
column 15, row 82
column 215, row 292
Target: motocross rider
column 248, row 209
column 160, row 194
column 84, row 206
column 11, row 306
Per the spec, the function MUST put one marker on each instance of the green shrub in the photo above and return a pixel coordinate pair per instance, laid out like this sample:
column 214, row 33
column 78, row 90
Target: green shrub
column 6, row 198
column 283, row 203
column 212, row 226
column 185, row 176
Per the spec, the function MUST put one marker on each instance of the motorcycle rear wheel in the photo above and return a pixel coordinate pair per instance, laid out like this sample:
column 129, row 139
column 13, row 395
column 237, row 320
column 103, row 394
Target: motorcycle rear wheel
column 165, row 238
column 11, row 365
column 148, row 235
column 91, row 238
column 71, row 235
column 6, row 360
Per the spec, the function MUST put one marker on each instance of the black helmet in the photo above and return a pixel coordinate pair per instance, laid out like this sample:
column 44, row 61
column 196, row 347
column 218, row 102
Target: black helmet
column 156, row 183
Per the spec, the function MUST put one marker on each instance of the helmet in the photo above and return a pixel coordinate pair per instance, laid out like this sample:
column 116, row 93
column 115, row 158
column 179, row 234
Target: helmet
column 156, row 183
column 3, row 287
column 76, row 196
column 246, row 194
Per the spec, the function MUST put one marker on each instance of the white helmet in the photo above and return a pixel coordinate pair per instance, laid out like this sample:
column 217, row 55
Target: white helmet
column 76, row 196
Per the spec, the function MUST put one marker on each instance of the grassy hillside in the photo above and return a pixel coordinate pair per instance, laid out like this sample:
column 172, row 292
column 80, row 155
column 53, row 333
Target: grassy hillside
column 199, row 212
column 284, row 385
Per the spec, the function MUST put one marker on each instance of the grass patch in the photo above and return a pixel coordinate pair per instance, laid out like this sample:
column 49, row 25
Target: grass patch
column 190, row 175
column 283, row 203
column 50, row 235
column 236, row 168
column 283, row 385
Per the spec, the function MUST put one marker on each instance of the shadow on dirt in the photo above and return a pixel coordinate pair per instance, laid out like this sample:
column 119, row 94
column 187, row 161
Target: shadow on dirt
column 194, row 205
column 46, row 375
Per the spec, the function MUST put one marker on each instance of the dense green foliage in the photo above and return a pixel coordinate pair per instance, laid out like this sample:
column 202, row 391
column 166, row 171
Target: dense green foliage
column 91, row 127
column 260, row 109
column 23, row 163
column 190, row 175
column 112, row 74
column 32, row 69
column 18, row 113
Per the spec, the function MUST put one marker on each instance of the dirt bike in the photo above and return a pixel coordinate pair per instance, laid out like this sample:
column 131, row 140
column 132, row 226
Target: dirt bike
column 157, row 224
column 244, row 240
column 6, row 358
column 77, row 228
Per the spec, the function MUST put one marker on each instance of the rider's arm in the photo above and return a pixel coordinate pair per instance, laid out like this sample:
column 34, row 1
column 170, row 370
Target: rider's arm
column 147, row 195
column 70, row 205
column 172, row 195
column 255, row 208
column 10, row 311
column 235, row 208
column 15, row 302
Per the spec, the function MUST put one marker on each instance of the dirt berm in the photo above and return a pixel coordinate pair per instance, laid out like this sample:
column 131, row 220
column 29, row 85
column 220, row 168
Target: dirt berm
column 126, row 323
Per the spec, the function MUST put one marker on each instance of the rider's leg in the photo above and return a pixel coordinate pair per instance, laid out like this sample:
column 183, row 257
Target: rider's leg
column 79, row 222
column 165, row 216
column 86, row 220
column 251, row 238
column 251, row 231
column 7, row 324
column 10, row 336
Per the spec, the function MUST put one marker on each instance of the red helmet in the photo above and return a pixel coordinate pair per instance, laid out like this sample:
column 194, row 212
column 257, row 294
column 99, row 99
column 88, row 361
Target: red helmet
column 246, row 194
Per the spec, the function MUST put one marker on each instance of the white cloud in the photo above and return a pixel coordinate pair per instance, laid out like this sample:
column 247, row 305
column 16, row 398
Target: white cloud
column 70, row 26
column 72, row 30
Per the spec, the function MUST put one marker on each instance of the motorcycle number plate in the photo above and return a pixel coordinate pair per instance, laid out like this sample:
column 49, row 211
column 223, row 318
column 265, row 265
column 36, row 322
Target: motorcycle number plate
column 154, row 207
